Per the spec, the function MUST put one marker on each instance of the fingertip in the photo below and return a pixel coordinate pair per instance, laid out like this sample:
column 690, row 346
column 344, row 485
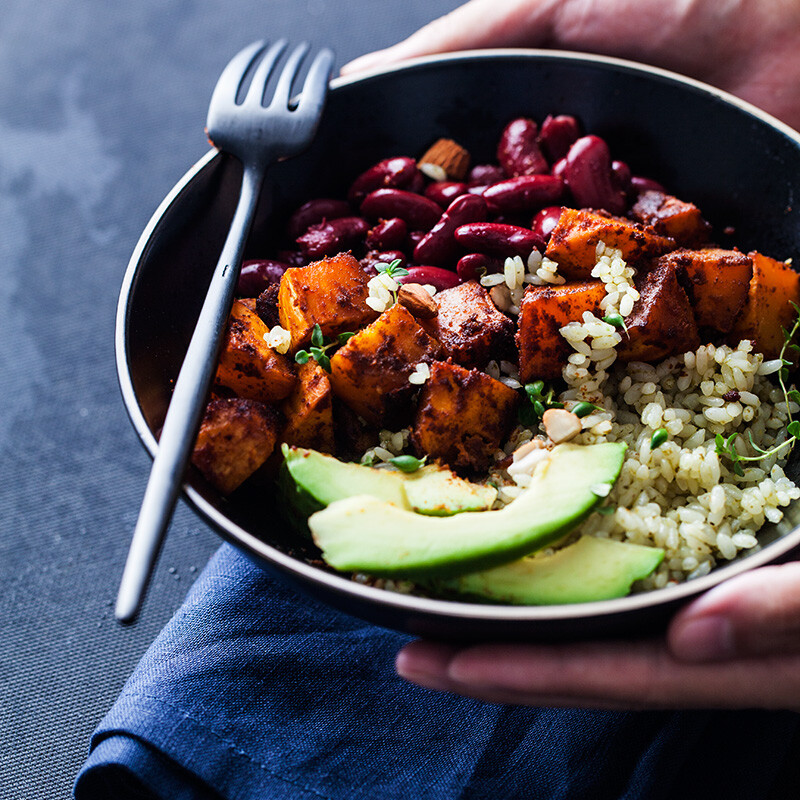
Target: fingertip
column 702, row 638
column 366, row 62
column 422, row 660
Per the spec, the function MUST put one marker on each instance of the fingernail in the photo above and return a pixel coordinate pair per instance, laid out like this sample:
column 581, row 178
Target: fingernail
column 708, row 638
column 364, row 62
column 428, row 659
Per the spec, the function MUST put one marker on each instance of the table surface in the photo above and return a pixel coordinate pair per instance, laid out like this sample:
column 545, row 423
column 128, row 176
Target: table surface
column 102, row 107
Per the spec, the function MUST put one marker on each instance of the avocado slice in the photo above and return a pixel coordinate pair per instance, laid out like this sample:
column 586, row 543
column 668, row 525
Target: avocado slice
column 320, row 479
column 366, row 534
column 587, row 570
column 439, row 492
column 325, row 479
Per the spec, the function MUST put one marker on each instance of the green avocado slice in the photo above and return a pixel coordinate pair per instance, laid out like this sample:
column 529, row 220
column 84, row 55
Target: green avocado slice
column 366, row 534
column 590, row 569
column 326, row 479
column 311, row 480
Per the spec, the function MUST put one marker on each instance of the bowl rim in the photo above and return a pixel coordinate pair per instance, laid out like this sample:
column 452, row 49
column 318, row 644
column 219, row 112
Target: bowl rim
column 398, row 602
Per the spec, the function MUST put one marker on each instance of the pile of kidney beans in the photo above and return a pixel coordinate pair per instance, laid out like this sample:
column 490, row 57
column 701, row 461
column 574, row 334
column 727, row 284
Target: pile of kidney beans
column 447, row 232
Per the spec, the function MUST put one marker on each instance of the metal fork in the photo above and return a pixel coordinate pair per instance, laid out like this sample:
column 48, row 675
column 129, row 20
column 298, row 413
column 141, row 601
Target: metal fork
column 257, row 135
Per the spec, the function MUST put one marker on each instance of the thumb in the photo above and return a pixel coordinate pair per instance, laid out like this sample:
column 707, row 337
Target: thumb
column 478, row 23
column 754, row 614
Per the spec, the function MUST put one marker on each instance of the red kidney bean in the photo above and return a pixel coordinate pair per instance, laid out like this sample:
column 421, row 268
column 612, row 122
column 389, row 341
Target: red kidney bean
column 417, row 183
column 588, row 176
column 559, row 169
column 439, row 246
column 388, row 234
column 331, row 237
column 315, row 211
column 524, row 193
column 518, row 150
column 374, row 257
column 437, row 277
column 557, row 135
column 419, row 212
column 294, row 258
column 485, row 174
column 471, row 266
column 415, row 237
column 621, row 175
column 640, row 184
column 257, row 275
column 444, row 192
column 544, row 222
column 393, row 173
column 498, row 239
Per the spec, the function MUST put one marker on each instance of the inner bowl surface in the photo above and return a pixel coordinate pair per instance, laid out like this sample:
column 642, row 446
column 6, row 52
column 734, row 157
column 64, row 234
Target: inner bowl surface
column 736, row 163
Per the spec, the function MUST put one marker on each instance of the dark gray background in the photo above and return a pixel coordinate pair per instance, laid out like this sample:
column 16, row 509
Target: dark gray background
column 102, row 107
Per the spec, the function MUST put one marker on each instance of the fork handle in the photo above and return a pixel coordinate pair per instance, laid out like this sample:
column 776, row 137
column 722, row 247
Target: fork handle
column 186, row 406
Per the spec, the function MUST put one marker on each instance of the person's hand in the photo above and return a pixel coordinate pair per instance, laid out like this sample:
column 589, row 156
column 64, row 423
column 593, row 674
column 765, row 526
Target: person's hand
column 737, row 646
column 747, row 47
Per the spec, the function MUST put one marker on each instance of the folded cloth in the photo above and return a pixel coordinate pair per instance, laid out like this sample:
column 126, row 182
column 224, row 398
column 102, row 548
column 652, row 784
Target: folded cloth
column 253, row 691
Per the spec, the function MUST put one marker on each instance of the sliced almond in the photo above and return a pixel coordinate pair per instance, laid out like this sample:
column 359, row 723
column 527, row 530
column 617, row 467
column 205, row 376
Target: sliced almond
column 561, row 425
column 450, row 156
column 417, row 299
column 524, row 449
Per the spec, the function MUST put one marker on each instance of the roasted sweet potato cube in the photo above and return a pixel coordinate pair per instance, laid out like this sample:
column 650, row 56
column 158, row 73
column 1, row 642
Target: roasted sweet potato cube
column 672, row 217
column 662, row 323
column 463, row 416
column 309, row 410
column 573, row 242
column 716, row 282
column 236, row 437
column 544, row 310
column 469, row 326
column 331, row 293
column 266, row 305
column 773, row 288
column 247, row 365
column 352, row 433
column 370, row 373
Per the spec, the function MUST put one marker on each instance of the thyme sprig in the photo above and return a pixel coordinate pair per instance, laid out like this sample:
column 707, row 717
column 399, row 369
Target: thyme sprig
column 726, row 446
column 319, row 348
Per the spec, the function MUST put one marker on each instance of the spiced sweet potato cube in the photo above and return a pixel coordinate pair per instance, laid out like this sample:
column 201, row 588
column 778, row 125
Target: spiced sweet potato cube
column 309, row 410
column 331, row 292
column 544, row 310
column 469, row 326
column 773, row 288
column 662, row 323
column 247, row 366
column 370, row 372
column 463, row 416
column 672, row 217
column 573, row 242
column 236, row 437
column 716, row 282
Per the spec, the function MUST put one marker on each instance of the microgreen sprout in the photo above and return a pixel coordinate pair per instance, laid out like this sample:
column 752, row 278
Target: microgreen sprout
column 392, row 269
column 584, row 408
column 726, row 446
column 319, row 348
column 606, row 511
column 541, row 398
column 616, row 321
column 407, row 463
column 658, row 438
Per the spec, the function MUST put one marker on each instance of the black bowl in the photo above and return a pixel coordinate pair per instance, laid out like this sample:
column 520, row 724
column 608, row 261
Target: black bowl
column 738, row 164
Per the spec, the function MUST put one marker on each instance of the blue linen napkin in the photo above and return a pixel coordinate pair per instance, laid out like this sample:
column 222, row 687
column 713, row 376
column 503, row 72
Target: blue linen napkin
column 253, row 691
